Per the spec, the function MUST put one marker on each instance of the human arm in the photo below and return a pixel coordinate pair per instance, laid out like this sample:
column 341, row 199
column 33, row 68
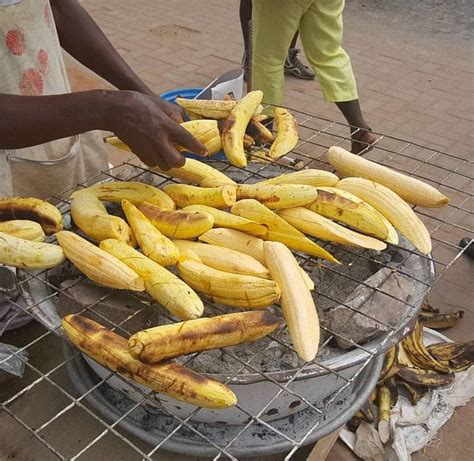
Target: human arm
column 81, row 37
column 136, row 118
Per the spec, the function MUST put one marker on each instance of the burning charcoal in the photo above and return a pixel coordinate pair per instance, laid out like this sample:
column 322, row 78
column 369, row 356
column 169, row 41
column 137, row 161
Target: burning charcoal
column 372, row 308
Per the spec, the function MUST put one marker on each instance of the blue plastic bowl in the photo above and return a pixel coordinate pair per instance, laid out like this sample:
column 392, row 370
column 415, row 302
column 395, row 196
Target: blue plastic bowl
column 189, row 93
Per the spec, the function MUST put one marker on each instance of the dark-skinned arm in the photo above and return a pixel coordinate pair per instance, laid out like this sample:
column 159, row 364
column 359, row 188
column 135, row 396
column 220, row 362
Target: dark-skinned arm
column 135, row 117
column 82, row 38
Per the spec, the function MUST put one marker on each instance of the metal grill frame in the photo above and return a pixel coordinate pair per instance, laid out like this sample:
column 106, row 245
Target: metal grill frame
column 317, row 134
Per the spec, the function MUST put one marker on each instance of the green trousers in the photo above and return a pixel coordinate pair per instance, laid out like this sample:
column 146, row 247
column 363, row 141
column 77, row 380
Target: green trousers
column 275, row 22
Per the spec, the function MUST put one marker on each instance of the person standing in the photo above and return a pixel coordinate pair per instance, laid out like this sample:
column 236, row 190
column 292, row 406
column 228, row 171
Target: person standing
column 320, row 25
column 293, row 65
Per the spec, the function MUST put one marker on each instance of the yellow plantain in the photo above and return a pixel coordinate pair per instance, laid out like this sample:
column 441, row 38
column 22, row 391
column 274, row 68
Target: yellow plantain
column 259, row 132
column 210, row 108
column 111, row 350
column 217, row 197
column 318, row 226
column 224, row 259
column 287, row 133
column 230, row 289
column 169, row 341
column 205, row 131
column 152, row 242
column 162, row 285
column 235, row 125
column 133, row 191
column 224, row 219
column 194, row 171
column 178, row 224
column 410, row 189
column 23, row 229
column 278, row 196
column 90, row 215
column 28, row 254
column 349, row 209
column 32, row 209
column 279, row 229
column 458, row 356
column 296, row 301
column 240, row 241
column 390, row 205
column 101, row 267
column 309, row 177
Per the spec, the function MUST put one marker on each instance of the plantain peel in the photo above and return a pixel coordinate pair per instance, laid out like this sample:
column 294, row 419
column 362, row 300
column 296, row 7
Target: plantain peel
column 170, row 378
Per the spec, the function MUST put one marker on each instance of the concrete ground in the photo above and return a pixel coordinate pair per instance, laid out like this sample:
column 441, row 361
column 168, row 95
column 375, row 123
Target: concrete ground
column 415, row 70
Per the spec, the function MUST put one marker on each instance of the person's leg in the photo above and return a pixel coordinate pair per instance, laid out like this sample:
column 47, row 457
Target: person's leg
column 245, row 13
column 293, row 65
column 274, row 24
column 321, row 36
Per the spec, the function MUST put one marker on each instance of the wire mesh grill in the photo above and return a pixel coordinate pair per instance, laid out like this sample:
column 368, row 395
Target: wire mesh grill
column 46, row 374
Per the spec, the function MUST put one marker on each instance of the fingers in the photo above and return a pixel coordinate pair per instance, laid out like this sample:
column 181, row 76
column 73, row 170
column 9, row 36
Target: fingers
column 171, row 157
column 185, row 139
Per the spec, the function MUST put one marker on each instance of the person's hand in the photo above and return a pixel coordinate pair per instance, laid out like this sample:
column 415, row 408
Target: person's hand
column 173, row 111
column 149, row 126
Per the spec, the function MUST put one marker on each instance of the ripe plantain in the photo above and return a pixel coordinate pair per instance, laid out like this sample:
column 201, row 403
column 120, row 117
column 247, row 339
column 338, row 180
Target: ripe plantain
column 224, row 219
column 278, row 229
column 390, row 205
column 224, row 259
column 27, row 254
column 101, row 267
column 349, row 209
column 278, row 196
column 210, row 108
column 318, row 226
column 230, row 289
column 133, row 191
column 297, row 303
column 439, row 321
column 181, row 224
column 418, row 354
column 414, row 392
column 390, row 364
column 217, row 197
column 410, row 189
column 23, row 229
column 235, row 125
column 111, row 350
column 309, row 177
column 287, row 133
column 194, row 171
column 33, row 209
column 152, row 242
column 162, row 285
column 423, row 377
column 459, row 356
column 90, row 215
column 165, row 342
column 248, row 244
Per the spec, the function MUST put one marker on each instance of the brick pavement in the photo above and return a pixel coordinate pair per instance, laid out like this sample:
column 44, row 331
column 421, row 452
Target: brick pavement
column 412, row 85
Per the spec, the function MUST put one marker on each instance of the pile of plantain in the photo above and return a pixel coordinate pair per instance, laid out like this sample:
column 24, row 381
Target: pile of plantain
column 415, row 369
column 232, row 243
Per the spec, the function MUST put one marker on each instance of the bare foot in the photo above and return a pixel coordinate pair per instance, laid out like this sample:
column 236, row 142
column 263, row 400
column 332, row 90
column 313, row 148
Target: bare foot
column 362, row 139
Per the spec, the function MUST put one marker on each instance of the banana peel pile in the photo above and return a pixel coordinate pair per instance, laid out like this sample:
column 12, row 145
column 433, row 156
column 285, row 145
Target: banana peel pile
column 414, row 369
column 233, row 243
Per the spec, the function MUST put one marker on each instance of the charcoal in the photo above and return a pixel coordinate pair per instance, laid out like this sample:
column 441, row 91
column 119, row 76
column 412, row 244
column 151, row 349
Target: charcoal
column 376, row 311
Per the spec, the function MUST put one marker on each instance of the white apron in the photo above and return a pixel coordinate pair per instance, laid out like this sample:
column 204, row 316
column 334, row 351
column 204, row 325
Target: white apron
column 31, row 64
